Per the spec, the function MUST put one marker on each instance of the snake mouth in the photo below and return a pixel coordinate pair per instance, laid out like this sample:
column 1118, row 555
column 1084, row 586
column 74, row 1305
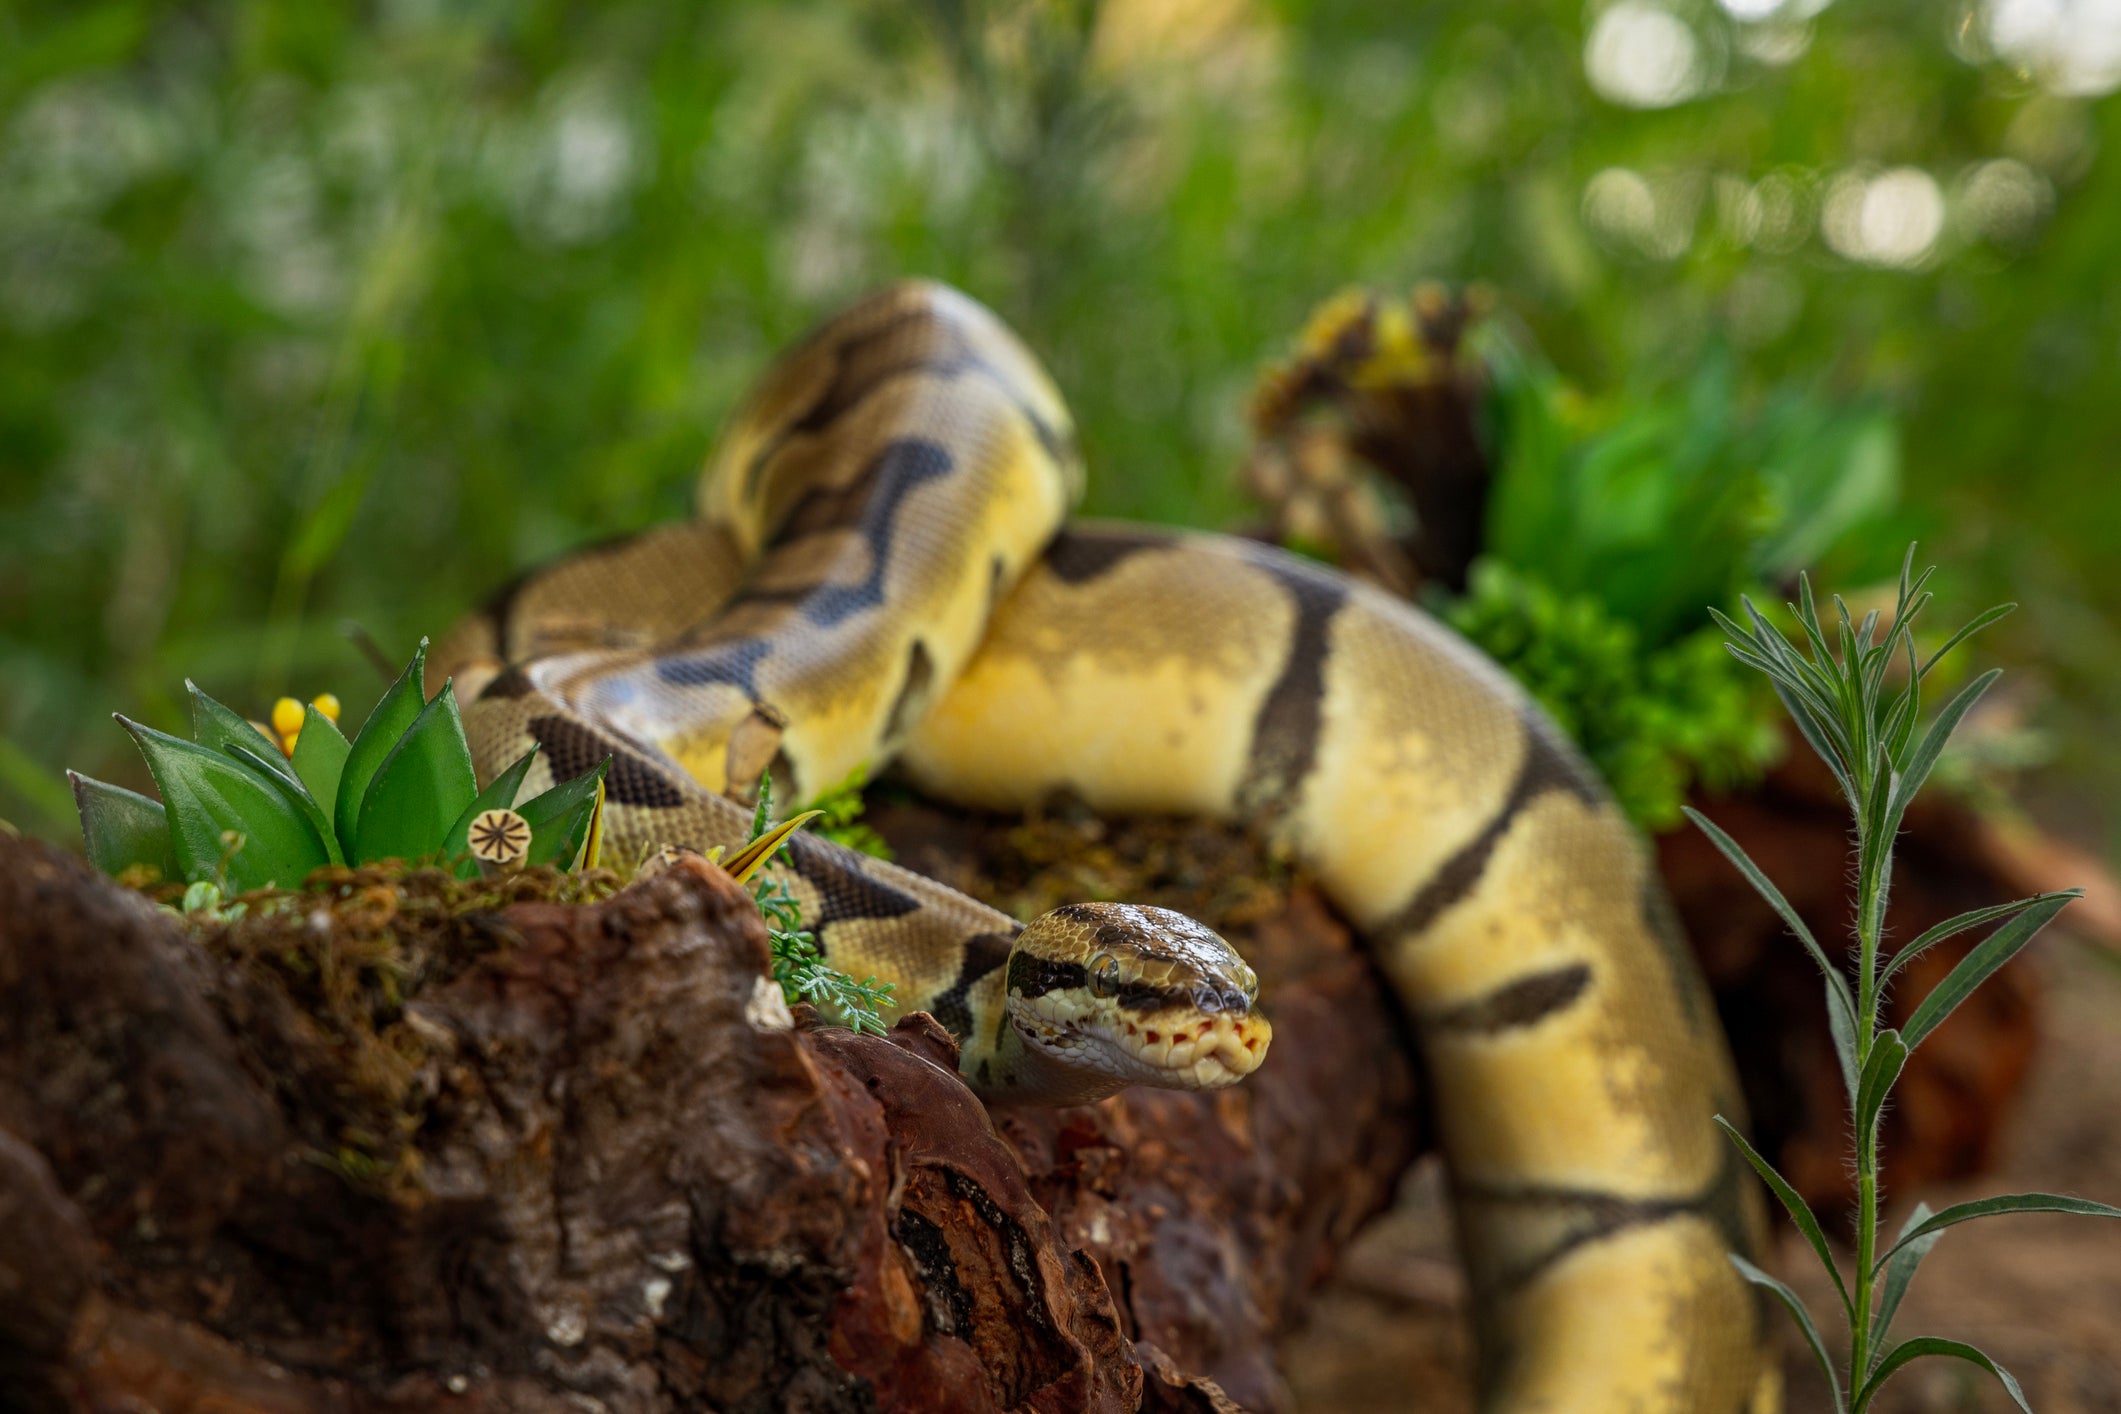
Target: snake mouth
column 1197, row 1053
column 1171, row 1050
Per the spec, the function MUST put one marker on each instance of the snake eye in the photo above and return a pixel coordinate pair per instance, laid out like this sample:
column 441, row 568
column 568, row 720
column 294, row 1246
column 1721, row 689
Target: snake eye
column 1248, row 980
column 1104, row 975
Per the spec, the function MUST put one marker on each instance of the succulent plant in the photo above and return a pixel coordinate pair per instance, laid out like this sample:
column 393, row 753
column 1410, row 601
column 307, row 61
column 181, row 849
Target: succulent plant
column 243, row 809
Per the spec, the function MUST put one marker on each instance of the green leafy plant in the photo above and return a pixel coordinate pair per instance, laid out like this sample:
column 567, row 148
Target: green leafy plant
column 236, row 814
column 798, row 965
column 1651, row 719
column 839, row 813
column 1612, row 521
column 1867, row 728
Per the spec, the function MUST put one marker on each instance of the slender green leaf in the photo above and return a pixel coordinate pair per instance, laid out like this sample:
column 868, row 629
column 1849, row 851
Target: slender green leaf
column 1888, row 1055
column 1976, row 967
column 420, row 789
column 392, row 717
column 1837, row 986
column 208, row 794
column 500, row 794
column 1807, row 612
column 320, row 759
column 292, row 792
column 1793, row 1203
column 1907, row 710
column 1996, row 1206
column 1936, row 1345
column 559, row 819
column 1843, row 1027
column 1803, row 1318
column 1898, row 1273
column 122, row 828
column 1818, row 738
column 1973, row 918
column 1925, row 756
column 1980, row 622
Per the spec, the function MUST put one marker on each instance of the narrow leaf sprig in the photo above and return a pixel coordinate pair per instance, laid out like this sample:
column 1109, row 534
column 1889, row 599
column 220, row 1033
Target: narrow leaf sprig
column 1838, row 683
column 798, row 964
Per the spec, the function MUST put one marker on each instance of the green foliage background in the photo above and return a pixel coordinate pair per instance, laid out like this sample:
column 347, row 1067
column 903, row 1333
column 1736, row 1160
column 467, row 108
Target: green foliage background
column 320, row 311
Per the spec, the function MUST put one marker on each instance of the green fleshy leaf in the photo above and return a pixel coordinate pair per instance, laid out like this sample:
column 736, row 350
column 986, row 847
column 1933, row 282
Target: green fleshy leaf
column 1795, row 1307
column 1977, row 966
column 1995, row 1207
column 499, row 795
column 294, row 793
column 320, row 759
column 559, row 819
column 1800, row 1212
column 122, row 828
column 215, row 725
column 1898, row 1273
column 207, row 794
column 393, row 716
column 420, row 789
column 1936, row 1345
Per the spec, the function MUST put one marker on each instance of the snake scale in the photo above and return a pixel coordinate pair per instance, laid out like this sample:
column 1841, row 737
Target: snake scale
column 880, row 572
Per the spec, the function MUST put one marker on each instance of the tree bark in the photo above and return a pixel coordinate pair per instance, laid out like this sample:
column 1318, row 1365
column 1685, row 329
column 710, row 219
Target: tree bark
column 635, row 1183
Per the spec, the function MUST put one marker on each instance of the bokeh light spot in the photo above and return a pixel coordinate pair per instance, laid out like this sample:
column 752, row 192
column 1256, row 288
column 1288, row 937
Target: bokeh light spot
column 1892, row 218
column 1643, row 57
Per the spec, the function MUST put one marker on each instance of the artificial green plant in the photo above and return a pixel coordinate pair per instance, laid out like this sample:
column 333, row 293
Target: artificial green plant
column 237, row 813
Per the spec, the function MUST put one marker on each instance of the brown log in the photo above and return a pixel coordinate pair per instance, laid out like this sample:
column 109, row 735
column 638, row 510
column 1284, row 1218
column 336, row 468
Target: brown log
column 628, row 1179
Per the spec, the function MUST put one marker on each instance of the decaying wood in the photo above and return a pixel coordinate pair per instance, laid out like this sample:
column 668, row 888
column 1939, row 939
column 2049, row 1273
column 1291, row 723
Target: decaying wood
column 635, row 1183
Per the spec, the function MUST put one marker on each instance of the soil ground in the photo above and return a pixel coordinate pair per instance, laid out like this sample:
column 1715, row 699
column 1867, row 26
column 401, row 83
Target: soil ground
column 2042, row 1295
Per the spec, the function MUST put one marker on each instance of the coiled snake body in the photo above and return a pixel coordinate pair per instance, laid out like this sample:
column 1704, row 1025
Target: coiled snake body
column 878, row 572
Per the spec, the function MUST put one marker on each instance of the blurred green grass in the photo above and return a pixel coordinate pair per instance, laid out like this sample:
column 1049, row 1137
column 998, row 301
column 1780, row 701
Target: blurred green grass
column 319, row 312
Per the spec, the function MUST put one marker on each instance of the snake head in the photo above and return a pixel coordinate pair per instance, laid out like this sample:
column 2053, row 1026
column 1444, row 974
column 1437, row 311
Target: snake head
column 1126, row 995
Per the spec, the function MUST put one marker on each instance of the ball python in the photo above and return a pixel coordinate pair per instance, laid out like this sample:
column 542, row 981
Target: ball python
column 880, row 571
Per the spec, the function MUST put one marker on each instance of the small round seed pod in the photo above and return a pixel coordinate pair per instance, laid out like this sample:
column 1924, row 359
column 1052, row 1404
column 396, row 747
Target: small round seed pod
column 499, row 840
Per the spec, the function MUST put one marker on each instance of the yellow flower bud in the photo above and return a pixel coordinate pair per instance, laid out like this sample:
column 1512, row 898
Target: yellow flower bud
column 287, row 716
column 326, row 704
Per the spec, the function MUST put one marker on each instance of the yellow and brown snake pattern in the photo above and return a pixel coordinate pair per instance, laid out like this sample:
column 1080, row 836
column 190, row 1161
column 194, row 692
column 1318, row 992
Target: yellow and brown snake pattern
column 879, row 571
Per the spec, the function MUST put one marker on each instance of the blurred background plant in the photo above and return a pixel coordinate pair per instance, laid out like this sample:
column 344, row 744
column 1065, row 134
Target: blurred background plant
column 295, row 297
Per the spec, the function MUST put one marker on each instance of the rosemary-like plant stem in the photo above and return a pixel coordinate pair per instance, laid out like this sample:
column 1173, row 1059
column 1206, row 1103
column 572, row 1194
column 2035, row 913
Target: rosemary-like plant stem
column 1868, row 738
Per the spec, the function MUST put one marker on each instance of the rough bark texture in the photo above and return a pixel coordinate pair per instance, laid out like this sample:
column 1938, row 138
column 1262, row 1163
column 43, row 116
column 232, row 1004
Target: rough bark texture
column 635, row 1186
